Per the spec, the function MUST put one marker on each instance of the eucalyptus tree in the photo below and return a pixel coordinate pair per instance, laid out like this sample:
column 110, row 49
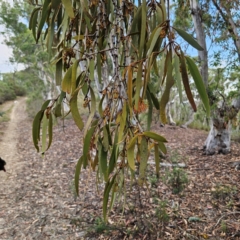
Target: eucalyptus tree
column 14, row 17
column 110, row 48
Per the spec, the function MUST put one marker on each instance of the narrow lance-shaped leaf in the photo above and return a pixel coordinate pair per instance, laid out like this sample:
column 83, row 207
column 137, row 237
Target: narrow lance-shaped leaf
column 199, row 83
column 93, row 110
column 188, row 38
column 129, row 86
column 186, row 81
column 169, row 83
column 143, row 28
column 143, row 160
column 44, row 132
column 45, row 9
column 154, row 136
column 74, row 75
column 77, row 174
column 157, row 159
column 87, row 143
column 74, row 110
column 153, row 39
column 178, row 76
column 107, row 189
column 102, row 159
column 67, row 81
column 130, row 152
column 50, row 130
column 68, row 6
column 36, row 129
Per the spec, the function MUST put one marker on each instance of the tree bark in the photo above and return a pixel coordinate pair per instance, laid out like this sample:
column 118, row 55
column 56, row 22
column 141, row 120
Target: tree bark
column 201, row 38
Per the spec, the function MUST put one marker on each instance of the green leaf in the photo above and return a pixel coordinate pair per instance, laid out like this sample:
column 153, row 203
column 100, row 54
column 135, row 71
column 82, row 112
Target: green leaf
column 77, row 174
column 143, row 160
column 178, row 77
column 87, row 143
column 138, row 84
column 199, row 83
column 45, row 10
column 122, row 121
column 45, row 105
column 74, row 74
column 107, row 189
column 102, row 156
column 157, row 159
column 130, row 152
column 162, row 147
column 130, row 85
column 44, row 132
column 188, row 38
column 186, row 81
column 74, row 110
column 93, row 110
column 50, row 130
column 154, row 136
column 143, row 28
column 114, row 154
column 33, row 21
column 105, row 141
column 58, row 74
column 150, row 111
column 36, row 128
column 153, row 39
column 68, row 6
column 67, row 81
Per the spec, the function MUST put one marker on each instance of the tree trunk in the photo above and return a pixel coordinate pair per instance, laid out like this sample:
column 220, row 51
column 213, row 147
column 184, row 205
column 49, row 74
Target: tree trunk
column 201, row 38
column 219, row 137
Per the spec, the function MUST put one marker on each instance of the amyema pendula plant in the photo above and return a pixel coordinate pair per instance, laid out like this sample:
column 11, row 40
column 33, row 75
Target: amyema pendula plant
column 110, row 49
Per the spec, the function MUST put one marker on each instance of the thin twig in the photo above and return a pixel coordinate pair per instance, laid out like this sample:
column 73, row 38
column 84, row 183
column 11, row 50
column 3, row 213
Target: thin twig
column 231, row 213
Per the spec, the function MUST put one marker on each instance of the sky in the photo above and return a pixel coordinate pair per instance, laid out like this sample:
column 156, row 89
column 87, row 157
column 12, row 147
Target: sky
column 5, row 54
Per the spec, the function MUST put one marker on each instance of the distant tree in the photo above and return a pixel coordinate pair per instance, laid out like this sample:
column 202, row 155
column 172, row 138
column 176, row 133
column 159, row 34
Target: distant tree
column 110, row 49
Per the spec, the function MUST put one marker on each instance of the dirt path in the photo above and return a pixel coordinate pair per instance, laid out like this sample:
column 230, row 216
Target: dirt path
column 8, row 151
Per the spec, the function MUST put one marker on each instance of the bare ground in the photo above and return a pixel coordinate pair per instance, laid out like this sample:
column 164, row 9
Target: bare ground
column 37, row 198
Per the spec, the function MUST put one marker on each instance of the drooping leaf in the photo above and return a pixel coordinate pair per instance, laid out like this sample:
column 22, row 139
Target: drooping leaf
column 45, row 10
column 102, row 158
column 129, row 86
column 114, row 154
column 93, row 110
column 153, row 39
column 87, row 143
column 178, row 76
column 107, row 189
column 77, row 174
column 199, row 83
column 36, row 128
column 130, row 152
column 68, row 6
column 74, row 75
column 50, row 130
column 162, row 147
column 169, row 83
column 143, row 28
column 154, row 136
column 188, row 38
column 44, row 132
column 157, row 159
column 67, row 81
column 74, row 110
column 186, row 81
column 144, row 154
